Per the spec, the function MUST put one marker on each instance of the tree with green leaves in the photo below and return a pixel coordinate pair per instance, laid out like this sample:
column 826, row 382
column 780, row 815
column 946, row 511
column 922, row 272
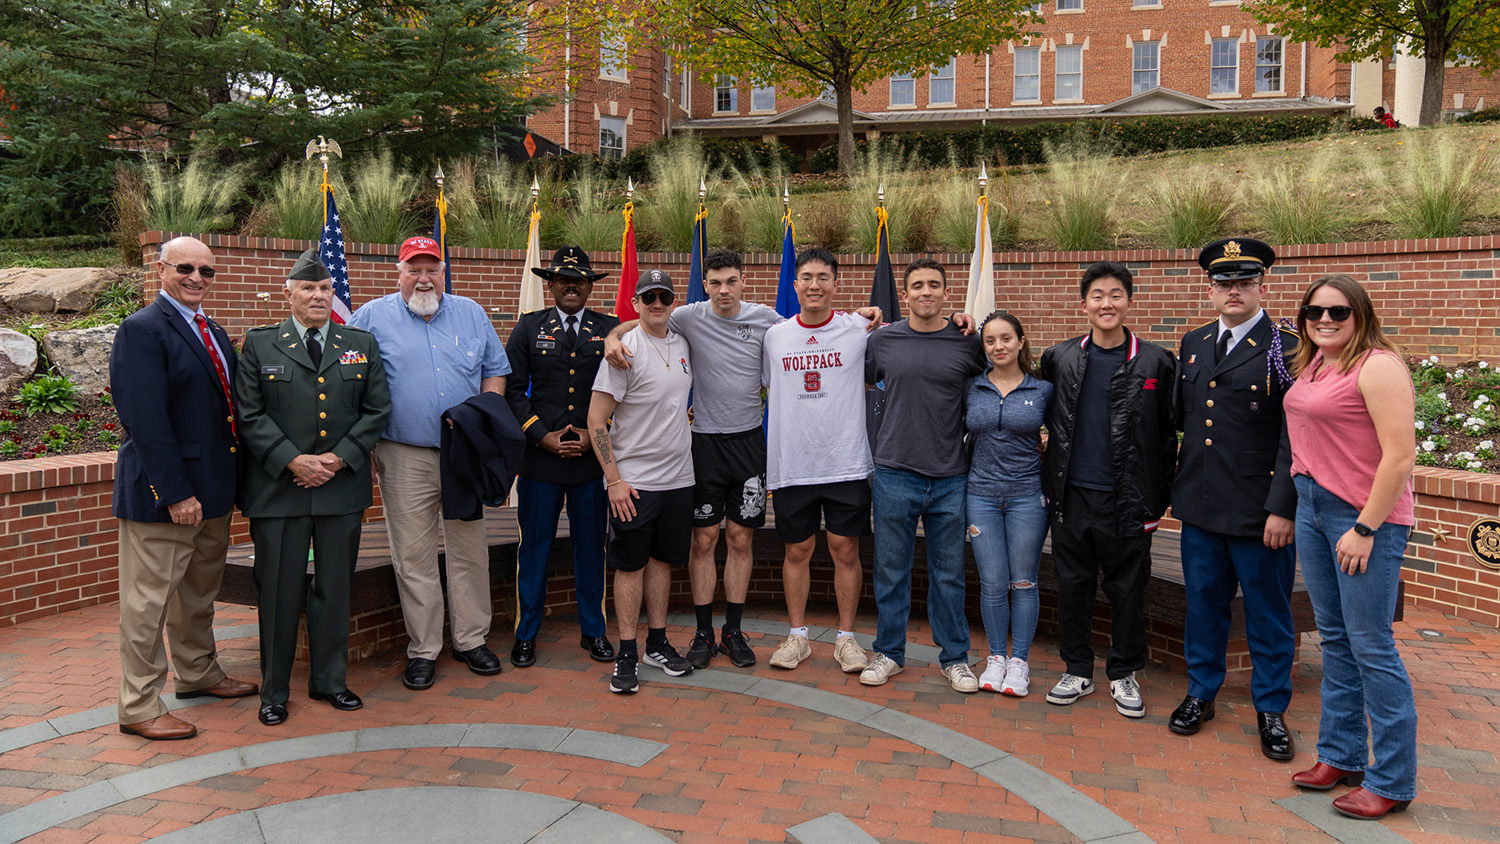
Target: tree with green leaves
column 803, row 46
column 84, row 80
column 1437, row 30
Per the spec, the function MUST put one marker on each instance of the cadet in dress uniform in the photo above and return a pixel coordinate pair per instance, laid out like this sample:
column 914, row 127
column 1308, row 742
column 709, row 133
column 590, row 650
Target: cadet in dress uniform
column 313, row 402
column 1234, row 493
column 554, row 355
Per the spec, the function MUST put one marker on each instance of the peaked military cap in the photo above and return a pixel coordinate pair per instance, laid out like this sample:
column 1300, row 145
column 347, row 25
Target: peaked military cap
column 309, row 268
column 1236, row 259
column 569, row 262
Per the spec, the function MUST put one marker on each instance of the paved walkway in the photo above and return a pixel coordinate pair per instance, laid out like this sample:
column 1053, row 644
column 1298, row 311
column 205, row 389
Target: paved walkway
column 547, row 754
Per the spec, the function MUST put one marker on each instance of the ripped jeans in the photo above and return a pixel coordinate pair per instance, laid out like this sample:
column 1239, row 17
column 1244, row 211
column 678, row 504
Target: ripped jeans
column 1006, row 534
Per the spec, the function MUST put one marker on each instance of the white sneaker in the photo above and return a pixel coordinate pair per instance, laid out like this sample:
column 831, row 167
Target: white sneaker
column 1017, row 678
column 880, row 669
column 791, row 653
column 1069, row 689
column 993, row 677
column 851, row 657
column 1127, row 695
column 961, row 678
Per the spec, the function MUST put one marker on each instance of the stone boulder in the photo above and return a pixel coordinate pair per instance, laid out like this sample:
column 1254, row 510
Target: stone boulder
column 83, row 355
column 17, row 360
column 45, row 291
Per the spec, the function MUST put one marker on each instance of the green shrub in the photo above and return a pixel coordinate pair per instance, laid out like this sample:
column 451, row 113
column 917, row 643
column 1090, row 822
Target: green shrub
column 1440, row 187
column 668, row 205
column 906, row 199
column 47, row 394
column 1192, row 211
column 292, row 203
column 593, row 222
column 489, row 204
column 377, row 206
column 1484, row 115
column 1085, row 185
column 192, row 198
column 1298, row 203
column 758, row 206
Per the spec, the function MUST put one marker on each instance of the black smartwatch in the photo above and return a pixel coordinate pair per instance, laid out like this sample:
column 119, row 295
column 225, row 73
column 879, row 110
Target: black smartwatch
column 1363, row 529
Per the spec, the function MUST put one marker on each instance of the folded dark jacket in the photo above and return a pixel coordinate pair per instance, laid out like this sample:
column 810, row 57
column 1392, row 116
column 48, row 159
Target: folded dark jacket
column 481, row 454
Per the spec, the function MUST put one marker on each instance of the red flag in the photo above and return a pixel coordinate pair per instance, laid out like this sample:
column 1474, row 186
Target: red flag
column 623, row 307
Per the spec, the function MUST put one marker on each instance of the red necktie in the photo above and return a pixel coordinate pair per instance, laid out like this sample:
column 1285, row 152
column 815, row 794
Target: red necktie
column 213, row 352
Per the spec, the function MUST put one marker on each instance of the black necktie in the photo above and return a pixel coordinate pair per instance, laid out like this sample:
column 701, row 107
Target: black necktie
column 1222, row 350
column 572, row 330
column 314, row 348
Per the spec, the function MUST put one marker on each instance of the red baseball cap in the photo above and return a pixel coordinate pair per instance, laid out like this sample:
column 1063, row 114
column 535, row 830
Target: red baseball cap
column 420, row 246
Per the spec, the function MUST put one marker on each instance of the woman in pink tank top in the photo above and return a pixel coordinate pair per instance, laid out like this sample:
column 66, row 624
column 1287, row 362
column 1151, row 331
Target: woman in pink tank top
column 1350, row 418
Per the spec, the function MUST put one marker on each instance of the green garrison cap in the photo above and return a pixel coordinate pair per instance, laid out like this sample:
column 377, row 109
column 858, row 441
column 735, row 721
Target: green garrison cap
column 309, row 268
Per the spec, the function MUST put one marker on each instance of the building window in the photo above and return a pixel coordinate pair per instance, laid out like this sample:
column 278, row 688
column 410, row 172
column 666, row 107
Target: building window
column 1145, row 66
column 1036, row 8
column 903, row 90
column 684, row 86
column 1152, row 3
column 763, row 99
column 1224, row 66
column 611, row 137
column 1070, row 5
column 940, row 84
column 1069, row 73
column 1028, row 74
column 612, row 57
column 726, row 94
column 1268, row 65
column 666, row 78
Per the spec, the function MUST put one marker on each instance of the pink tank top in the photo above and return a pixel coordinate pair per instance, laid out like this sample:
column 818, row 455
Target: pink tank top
column 1333, row 437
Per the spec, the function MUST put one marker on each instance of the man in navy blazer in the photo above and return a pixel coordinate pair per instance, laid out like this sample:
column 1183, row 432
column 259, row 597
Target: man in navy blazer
column 171, row 374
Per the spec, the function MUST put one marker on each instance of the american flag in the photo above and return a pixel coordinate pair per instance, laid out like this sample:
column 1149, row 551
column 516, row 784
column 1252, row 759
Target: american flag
column 331, row 254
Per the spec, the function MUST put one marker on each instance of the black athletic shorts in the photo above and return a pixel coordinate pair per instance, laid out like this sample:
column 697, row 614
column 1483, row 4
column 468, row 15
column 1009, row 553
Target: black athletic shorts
column 662, row 530
column 731, row 474
column 801, row 510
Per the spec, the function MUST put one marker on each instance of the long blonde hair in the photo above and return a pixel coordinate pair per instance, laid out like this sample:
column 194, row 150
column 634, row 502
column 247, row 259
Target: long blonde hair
column 1367, row 333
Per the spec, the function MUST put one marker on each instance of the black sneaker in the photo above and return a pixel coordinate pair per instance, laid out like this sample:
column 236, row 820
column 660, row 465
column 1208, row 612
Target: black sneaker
column 666, row 657
column 739, row 651
column 702, row 650
column 624, row 682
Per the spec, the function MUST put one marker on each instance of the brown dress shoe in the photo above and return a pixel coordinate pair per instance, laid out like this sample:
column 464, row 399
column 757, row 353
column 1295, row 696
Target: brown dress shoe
column 225, row 688
column 161, row 728
column 1322, row 777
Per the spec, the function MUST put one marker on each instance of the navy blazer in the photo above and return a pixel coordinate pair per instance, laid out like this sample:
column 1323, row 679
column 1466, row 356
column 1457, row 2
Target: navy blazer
column 480, row 455
column 178, row 439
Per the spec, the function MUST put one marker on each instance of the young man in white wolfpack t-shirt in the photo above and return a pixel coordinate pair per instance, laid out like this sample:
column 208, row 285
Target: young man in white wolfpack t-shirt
column 818, row 453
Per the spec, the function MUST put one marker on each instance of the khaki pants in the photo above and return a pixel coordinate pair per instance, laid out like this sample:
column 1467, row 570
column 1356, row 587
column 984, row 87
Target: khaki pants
column 169, row 578
column 411, row 490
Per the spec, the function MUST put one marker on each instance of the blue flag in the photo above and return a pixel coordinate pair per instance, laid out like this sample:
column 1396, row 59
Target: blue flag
column 331, row 254
column 440, row 234
column 786, row 292
column 696, row 292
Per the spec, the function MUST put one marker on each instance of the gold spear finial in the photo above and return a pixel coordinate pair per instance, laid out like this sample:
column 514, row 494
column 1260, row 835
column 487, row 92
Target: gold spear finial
column 984, row 177
column 880, row 194
column 702, row 189
column 786, row 196
column 438, row 176
column 629, row 188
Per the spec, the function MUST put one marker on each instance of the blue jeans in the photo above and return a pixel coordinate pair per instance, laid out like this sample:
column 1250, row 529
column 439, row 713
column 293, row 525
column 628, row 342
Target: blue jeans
column 1006, row 534
column 899, row 498
column 1362, row 672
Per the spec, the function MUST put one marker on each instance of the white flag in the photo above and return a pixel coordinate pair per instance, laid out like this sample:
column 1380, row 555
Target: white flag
column 980, row 301
column 531, row 283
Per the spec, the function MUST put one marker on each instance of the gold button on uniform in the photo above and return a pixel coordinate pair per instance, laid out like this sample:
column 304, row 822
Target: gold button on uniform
column 1212, row 384
column 570, row 407
column 322, row 397
column 1208, row 422
column 231, row 449
column 359, row 375
column 322, row 433
column 572, row 372
column 570, row 389
column 1254, row 387
column 572, row 354
column 1208, row 442
column 322, row 416
column 320, row 379
column 1210, row 402
column 272, row 378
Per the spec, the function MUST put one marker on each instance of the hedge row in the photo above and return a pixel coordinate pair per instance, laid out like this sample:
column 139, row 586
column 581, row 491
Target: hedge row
column 743, row 153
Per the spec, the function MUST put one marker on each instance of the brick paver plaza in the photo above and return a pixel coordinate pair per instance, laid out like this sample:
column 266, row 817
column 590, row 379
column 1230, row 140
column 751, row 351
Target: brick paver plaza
column 549, row 754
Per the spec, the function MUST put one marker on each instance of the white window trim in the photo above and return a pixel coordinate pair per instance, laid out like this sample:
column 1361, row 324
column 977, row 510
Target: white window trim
column 1015, row 74
column 624, row 129
column 734, row 85
column 1133, row 71
column 1057, row 8
column 623, row 46
column 1255, row 81
column 891, row 93
column 1056, row 73
column 1223, row 95
column 932, row 76
column 772, row 109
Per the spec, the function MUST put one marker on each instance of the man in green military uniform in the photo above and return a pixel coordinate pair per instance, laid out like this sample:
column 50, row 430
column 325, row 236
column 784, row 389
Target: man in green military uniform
column 313, row 402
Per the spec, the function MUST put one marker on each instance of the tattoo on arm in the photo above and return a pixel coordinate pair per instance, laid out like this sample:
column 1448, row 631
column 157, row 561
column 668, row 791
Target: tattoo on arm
column 601, row 446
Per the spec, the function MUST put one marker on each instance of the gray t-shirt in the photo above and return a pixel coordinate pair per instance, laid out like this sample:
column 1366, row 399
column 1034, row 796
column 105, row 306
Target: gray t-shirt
column 652, row 443
column 726, row 354
column 926, row 375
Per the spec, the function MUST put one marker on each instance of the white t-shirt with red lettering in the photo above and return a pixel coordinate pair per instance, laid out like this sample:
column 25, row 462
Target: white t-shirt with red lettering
column 815, row 378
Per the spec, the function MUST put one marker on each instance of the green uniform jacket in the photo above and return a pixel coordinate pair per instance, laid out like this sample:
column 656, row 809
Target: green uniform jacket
column 287, row 407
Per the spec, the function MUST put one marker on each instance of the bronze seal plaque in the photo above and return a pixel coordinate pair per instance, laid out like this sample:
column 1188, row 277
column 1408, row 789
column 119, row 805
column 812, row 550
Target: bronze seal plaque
column 1484, row 541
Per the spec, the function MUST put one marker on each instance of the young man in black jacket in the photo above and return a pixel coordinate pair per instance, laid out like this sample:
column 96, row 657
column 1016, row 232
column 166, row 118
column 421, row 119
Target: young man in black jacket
column 1108, row 474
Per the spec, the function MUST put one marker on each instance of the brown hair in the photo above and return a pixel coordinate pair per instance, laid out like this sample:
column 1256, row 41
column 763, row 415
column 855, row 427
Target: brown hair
column 1023, row 358
column 1367, row 333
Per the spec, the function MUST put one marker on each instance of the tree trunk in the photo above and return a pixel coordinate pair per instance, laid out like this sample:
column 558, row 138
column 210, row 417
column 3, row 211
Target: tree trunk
column 1432, row 87
column 842, row 91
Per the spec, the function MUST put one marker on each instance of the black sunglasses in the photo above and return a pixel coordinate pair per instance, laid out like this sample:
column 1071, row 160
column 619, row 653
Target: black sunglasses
column 650, row 297
column 187, row 269
column 1338, row 313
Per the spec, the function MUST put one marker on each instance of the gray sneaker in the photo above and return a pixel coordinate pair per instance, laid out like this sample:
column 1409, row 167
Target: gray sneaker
column 880, row 669
column 1127, row 695
column 1069, row 689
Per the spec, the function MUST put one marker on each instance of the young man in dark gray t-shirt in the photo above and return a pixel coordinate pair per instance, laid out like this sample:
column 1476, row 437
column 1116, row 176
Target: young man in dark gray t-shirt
column 921, row 472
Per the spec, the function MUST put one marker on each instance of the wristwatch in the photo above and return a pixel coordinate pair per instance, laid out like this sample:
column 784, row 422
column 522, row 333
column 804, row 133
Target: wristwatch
column 1363, row 529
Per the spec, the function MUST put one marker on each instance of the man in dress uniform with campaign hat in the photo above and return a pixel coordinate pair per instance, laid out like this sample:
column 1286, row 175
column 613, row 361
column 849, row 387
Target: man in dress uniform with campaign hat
column 554, row 355
column 1234, row 494
column 313, row 403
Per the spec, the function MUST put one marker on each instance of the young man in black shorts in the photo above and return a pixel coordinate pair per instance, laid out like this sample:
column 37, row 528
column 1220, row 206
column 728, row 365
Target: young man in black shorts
column 648, row 472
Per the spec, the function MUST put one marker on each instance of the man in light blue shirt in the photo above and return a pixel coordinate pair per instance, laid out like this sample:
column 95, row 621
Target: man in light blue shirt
column 438, row 350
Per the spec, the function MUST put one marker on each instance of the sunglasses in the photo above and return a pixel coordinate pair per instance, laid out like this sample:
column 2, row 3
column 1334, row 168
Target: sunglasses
column 650, row 297
column 1337, row 313
column 187, row 269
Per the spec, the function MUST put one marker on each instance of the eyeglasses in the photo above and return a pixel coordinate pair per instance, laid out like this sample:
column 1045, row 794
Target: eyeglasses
column 1337, row 313
column 1245, row 286
column 187, row 269
column 650, row 297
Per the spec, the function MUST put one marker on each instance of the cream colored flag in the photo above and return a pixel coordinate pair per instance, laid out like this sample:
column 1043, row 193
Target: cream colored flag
column 980, row 301
column 531, row 283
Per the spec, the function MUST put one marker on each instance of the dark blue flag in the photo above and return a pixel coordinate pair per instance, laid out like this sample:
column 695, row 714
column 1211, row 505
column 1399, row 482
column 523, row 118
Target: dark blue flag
column 696, row 292
column 786, row 291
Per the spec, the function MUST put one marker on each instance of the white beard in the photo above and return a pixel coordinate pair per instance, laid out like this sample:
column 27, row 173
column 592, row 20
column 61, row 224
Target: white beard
column 424, row 303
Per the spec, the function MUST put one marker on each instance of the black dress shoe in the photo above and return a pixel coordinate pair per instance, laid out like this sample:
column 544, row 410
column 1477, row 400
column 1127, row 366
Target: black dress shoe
column 523, row 653
column 1187, row 719
column 419, row 673
column 1275, row 739
column 599, row 648
column 272, row 714
column 345, row 701
column 481, row 660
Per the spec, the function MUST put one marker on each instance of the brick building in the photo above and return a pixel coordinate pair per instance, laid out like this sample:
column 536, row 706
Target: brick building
column 1093, row 59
